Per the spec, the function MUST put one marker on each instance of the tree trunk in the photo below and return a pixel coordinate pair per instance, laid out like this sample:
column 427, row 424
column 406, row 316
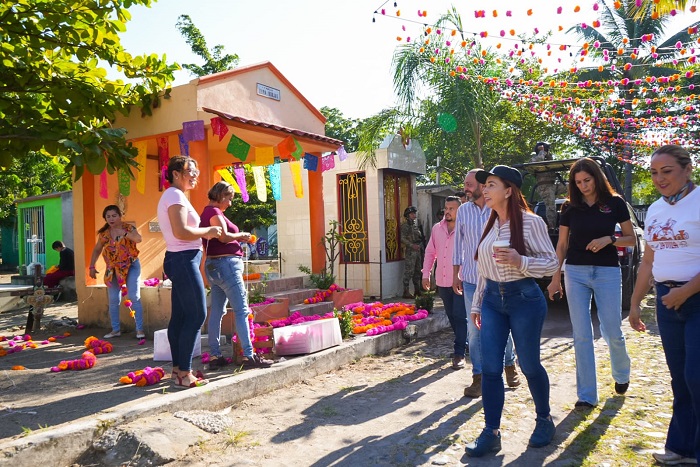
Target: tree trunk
column 478, row 160
column 628, row 181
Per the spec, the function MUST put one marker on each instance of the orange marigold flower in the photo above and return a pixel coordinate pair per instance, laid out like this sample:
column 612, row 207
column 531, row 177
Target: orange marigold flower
column 18, row 367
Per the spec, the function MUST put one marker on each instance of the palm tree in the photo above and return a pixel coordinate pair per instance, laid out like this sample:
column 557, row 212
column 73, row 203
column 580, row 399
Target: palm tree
column 664, row 7
column 621, row 30
column 436, row 76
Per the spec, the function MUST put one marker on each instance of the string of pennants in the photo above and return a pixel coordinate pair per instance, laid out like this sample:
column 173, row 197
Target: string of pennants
column 289, row 148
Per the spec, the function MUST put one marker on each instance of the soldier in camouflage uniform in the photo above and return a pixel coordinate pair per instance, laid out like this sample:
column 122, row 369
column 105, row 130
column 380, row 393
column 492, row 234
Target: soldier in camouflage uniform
column 412, row 239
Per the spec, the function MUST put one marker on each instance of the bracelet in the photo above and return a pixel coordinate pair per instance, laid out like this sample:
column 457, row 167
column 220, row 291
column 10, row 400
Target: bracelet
column 93, row 268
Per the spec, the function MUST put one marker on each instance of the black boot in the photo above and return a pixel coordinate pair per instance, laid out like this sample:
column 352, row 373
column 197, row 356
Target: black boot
column 406, row 293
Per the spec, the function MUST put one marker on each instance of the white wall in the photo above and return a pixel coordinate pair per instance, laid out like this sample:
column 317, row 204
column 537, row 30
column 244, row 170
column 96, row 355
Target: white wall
column 365, row 276
column 293, row 230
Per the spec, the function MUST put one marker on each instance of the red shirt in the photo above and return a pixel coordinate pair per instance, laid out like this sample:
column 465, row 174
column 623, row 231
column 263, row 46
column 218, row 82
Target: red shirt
column 214, row 247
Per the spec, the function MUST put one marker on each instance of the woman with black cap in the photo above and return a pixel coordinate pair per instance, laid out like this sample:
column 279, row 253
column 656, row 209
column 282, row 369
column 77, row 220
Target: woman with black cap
column 514, row 249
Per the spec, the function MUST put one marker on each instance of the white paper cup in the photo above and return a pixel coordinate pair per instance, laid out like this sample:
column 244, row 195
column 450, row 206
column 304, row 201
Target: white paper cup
column 501, row 244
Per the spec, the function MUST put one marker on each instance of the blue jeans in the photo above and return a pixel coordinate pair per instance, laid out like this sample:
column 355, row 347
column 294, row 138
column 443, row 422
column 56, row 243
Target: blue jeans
column 189, row 306
column 225, row 276
column 457, row 315
column 605, row 284
column 679, row 332
column 518, row 307
column 474, row 335
column 134, row 294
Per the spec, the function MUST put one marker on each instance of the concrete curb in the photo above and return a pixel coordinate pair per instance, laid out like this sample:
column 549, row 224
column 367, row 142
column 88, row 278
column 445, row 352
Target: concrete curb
column 64, row 444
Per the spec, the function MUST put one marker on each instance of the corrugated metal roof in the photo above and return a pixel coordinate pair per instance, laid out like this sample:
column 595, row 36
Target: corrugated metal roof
column 291, row 131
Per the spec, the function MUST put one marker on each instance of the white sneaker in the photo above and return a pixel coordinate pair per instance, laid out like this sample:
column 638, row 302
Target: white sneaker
column 671, row 458
column 113, row 334
column 140, row 335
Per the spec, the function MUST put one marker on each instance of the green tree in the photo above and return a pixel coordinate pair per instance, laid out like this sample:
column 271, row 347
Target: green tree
column 254, row 213
column 663, row 7
column 55, row 98
column 436, row 80
column 35, row 174
column 214, row 60
column 621, row 30
column 341, row 128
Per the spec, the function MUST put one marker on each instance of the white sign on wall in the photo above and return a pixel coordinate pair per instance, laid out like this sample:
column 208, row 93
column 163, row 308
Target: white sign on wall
column 267, row 91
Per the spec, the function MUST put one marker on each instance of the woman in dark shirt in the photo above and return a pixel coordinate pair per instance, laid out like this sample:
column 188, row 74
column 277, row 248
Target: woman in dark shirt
column 588, row 243
column 224, row 271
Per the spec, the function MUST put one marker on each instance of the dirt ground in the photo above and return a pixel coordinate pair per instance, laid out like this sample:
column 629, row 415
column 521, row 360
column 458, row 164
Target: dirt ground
column 403, row 408
column 407, row 408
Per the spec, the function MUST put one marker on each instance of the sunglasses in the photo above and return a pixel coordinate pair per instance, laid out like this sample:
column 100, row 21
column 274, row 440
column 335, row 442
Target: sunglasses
column 191, row 172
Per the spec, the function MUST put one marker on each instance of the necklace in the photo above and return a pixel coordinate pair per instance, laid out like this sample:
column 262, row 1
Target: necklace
column 673, row 199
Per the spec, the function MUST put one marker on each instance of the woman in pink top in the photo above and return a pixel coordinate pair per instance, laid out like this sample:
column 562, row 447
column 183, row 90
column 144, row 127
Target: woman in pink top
column 179, row 224
column 224, row 271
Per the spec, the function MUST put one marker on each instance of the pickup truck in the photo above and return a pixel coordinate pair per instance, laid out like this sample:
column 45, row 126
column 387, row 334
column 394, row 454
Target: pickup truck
column 556, row 173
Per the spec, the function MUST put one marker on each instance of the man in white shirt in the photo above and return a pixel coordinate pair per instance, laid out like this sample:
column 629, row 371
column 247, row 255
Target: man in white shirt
column 469, row 226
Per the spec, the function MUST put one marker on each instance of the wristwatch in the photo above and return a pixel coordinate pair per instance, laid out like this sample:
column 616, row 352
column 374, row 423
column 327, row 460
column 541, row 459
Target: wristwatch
column 613, row 239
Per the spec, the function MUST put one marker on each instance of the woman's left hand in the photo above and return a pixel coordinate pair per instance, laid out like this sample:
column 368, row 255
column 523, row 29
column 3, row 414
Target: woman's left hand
column 508, row 256
column 476, row 319
column 598, row 244
column 674, row 298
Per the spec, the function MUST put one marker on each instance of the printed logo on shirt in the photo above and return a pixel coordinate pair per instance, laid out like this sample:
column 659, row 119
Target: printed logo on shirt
column 664, row 236
column 604, row 208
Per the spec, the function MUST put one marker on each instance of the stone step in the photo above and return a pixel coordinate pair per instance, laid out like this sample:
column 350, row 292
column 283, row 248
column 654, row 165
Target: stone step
column 295, row 296
column 281, row 284
column 320, row 308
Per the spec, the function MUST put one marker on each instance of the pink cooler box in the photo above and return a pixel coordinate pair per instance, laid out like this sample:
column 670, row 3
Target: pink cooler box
column 307, row 337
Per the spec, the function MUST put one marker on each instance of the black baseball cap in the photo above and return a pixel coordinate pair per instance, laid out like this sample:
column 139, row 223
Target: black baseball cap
column 503, row 172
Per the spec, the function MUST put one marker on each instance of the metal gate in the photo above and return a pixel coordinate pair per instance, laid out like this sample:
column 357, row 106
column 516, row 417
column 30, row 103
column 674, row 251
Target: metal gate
column 34, row 235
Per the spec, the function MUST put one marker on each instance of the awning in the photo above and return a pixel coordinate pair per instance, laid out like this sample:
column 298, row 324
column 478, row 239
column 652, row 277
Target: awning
column 261, row 134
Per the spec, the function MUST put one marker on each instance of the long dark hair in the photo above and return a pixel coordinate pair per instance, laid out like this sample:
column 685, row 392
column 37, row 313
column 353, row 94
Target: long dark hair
column 111, row 207
column 516, row 206
column 603, row 190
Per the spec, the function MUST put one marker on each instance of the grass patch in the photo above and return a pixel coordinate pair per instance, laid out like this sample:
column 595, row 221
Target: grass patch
column 235, row 438
column 351, row 388
column 611, row 433
column 328, row 411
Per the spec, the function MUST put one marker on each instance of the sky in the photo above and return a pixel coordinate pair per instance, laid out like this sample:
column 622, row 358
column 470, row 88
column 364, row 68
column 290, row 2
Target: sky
column 331, row 50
